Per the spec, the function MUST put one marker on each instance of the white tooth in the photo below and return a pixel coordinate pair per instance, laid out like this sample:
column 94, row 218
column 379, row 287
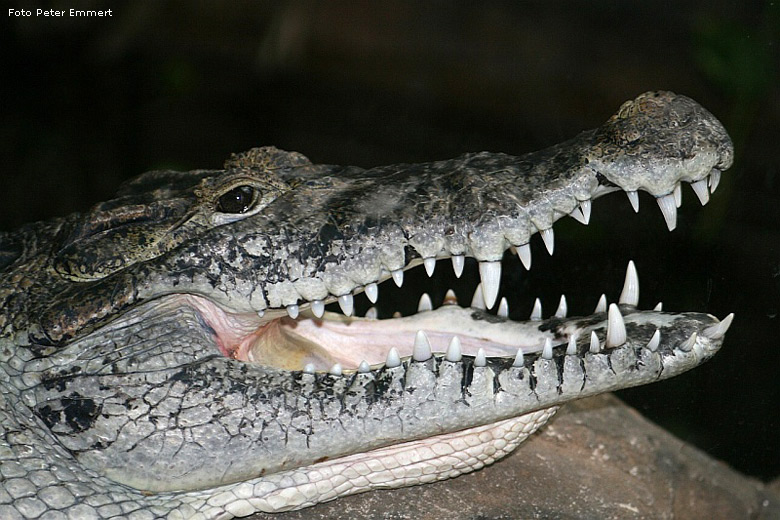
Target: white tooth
column 594, row 343
column 425, row 303
column 398, row 277
column 616, row 327
column 677, row 195
column 536, row 312
column 630, row 294
column 563, row 308
column 524, row 253
column 422, row 347
column 309, row 368
column 659, row 306
column 292, row 310
column 633, row 198
column 700, row 189
column 364, row 367
column 450, row 298
column 453, row 351
column 480, row 360
column 346, row 304
column 260, row 314
column 669, row 209
column 336, row 369
column 393, row 359
column 654, row 341
column 547, row 350
column 519, row 361
column 478, row 301
column 503, row 308
column 601, row 306
column 372, row 313
column 718, row 330
column 689, row 343
column 714, row 180
column 549, row 239
column 318, row 308
column 585, row 208
column 490, row 274
column 571, row 348
column 430, row 265
column 372, row 292
column 577, row 215
column 457, row 264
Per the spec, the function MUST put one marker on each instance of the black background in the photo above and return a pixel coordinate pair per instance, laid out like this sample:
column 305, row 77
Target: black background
column 88, row 103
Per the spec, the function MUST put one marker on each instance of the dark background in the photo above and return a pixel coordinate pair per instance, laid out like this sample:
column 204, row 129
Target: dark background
column 88, row 103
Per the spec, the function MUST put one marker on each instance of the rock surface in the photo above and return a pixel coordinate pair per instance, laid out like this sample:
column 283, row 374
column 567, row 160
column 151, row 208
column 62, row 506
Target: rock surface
column 598, row 459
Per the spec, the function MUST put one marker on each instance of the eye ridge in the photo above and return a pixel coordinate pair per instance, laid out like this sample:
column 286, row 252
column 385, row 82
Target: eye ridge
column 238, row 200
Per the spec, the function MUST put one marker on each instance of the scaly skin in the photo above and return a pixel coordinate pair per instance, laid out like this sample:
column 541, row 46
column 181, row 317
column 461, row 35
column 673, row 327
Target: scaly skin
column 161, row 355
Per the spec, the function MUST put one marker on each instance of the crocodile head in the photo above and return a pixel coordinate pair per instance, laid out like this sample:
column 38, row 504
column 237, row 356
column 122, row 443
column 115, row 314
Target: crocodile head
column 177, row 340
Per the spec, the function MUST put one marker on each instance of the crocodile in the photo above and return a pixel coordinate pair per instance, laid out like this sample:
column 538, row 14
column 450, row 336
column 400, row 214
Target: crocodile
column 178, row 351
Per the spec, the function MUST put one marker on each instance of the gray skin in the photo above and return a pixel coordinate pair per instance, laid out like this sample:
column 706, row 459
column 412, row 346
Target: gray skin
column 148, row 365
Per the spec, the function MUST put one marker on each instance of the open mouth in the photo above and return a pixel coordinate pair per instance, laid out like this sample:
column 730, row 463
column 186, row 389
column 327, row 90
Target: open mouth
column 311, row 338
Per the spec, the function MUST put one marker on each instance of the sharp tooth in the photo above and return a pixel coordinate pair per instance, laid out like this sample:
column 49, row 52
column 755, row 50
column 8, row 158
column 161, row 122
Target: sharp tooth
column 536, row 312
column 422, row 347
column 318, row 308
column 519, row 361
column 577, row 215
column 669, row 209
column 616, row 327
column 372, row 292
column 397, row 314
column 594, row 343
column 654, row 341
column 450, row 298
column 563, row 308
column 677, row 195
column 490, row 274
column 659, row 306
column 688, row 344
column 571, row 348
column 398, row 277
column 430, row 265
column 549, row 239
column 346, row 304
column 478, row 301
column 524, row 253
column 585, row 208
column 700, row 189
column 503, row 308
column 364, row 367
column 714, row 180
column 480, row 360
column 633, row 198
column 260, row 314
column 718, row 330
column 372, row 313
column 393, row 359
column 425, row 303
column 630, row 294
column 292, row 310
column 547, row 350
column 457, row 264
column 336, row 369
column 309, row 368
column 453, row 351
column 601, row 306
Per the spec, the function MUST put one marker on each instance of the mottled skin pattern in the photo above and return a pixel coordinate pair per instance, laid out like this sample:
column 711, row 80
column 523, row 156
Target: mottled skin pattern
column 125, row 389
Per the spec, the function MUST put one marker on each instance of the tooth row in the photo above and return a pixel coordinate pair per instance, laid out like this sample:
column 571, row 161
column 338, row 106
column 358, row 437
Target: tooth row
column 616, row 336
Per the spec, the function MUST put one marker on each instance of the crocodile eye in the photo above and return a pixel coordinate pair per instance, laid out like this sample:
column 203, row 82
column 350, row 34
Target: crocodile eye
column 238, row 200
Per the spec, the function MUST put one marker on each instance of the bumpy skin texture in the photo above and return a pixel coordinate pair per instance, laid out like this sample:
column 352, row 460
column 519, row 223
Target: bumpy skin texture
column 119, row 395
